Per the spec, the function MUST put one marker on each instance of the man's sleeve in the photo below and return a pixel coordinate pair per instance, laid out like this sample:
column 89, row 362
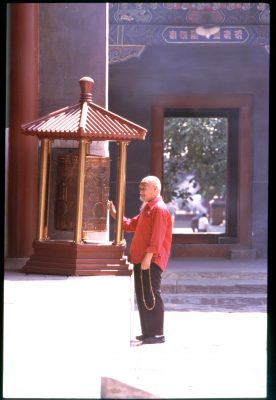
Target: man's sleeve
column 159, row 229
column 129, row 224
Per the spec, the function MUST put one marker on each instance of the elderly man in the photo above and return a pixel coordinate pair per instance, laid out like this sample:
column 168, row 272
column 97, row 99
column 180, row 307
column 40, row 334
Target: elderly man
column 149, row 252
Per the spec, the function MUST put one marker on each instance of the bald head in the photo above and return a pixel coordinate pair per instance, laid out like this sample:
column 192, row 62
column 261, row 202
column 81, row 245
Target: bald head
column 153, row 181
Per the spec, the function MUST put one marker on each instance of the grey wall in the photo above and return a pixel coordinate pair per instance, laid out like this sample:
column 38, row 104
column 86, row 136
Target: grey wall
column 72, row 45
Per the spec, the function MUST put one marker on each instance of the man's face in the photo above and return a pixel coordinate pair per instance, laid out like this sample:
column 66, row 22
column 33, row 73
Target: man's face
column 147, row 191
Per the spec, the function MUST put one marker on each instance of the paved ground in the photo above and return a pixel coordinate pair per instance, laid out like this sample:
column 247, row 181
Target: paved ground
column 64, row 339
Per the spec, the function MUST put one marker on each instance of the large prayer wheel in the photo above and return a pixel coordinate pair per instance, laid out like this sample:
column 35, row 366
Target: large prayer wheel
column 74, row 191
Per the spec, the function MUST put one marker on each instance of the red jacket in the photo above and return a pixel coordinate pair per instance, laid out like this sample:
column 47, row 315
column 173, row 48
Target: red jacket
column 152, row 233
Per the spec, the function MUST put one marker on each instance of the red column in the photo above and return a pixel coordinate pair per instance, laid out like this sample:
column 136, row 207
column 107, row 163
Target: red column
column 23, row 150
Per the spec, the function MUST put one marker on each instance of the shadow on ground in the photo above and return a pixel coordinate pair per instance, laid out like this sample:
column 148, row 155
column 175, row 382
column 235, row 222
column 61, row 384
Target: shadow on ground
column 113, row 389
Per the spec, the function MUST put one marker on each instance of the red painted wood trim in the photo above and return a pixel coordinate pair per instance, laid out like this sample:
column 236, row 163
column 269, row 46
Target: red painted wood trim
column 23, row 150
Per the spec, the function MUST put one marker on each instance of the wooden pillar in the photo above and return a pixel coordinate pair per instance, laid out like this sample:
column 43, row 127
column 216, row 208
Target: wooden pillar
column 43, row 188
column 23, row 150
column 80, row 190
column 120, row 195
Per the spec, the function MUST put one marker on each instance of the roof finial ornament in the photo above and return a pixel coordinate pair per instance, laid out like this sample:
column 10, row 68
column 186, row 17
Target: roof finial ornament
column 86, row 85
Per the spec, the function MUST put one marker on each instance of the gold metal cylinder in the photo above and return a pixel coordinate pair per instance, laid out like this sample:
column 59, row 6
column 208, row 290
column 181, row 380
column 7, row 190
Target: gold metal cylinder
column 120, row 194
column 80, row 190
column 42, row 189
column 47, row 211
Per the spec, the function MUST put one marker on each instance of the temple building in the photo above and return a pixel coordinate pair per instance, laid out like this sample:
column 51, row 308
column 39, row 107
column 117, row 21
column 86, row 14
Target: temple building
column 154, row 64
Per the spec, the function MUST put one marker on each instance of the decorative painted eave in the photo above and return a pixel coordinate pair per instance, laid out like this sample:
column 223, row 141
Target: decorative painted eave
column 85, row 120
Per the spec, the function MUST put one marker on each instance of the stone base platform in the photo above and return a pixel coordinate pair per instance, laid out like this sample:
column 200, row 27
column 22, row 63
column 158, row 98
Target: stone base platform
column 77, row 259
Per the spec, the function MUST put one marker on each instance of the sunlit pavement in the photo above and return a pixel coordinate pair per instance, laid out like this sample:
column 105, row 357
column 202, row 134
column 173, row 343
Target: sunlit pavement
column 206, row 355
column 62, row 341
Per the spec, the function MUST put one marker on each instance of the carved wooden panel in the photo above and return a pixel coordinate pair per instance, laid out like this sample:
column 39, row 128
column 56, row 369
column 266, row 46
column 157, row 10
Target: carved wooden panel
column 96, row 192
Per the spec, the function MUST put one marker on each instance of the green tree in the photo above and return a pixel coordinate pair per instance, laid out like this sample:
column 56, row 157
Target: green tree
column 195, row 147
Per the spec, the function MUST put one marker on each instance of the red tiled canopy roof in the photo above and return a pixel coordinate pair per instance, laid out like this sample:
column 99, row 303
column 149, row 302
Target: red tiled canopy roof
column 85, row 120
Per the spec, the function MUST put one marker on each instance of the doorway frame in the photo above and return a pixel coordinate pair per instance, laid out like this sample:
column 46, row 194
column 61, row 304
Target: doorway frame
column 221, row 244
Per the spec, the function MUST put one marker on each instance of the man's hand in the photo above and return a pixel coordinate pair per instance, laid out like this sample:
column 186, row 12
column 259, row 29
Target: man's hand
column 111, row 209
column 145, row 264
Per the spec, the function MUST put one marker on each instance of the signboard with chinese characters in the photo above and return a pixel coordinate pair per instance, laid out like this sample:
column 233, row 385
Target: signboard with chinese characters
column 188, row 34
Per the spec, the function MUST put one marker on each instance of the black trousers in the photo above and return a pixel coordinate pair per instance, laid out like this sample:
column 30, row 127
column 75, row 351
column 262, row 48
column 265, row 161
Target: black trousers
column 152, row 321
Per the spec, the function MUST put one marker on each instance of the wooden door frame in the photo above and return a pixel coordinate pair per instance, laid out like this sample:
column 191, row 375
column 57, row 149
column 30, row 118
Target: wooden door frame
column 243, row 105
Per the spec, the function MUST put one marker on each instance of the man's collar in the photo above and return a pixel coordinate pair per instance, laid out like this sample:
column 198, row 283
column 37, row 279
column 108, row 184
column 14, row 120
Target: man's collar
column 152, row 203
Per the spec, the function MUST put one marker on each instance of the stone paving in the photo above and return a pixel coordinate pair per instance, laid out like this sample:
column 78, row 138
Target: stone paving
column 62, row 339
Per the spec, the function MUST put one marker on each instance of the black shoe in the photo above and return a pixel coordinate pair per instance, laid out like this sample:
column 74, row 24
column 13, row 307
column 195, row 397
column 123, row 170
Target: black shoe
column 154, row 339
column 141, row 337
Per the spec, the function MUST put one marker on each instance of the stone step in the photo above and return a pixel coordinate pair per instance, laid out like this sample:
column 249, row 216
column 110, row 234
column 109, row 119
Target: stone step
column 215, row 275
column 229, row 287
column 215, row 303
column 215, row 291
column 219, row 302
